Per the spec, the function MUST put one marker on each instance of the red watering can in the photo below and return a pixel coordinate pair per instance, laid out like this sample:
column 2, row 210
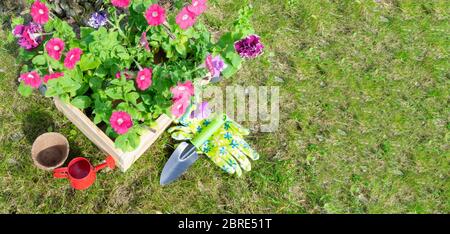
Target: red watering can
column 81, row 173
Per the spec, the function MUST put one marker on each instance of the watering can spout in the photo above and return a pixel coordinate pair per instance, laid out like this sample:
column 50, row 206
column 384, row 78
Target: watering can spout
column 109, row 163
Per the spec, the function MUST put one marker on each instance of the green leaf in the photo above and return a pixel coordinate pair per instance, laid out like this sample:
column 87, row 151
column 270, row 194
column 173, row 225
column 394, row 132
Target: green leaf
column 16, row 21
column 26, row 55
column 95, row 83
column 82, row 102
column 48, row 27
column 56, row 65
column 225, row 41
column 141, row 5
column 135, row 114
column 234, row 58
column 229, row 71
column 88, row 62
column 24, row 69
column 83, row 89
column 114, row 93
column 85, row 33
column 62, row 87
column 181, row 49
column 39, row 60
column 128, row 142
column 25, row 90
column 102, row 109
column 97, row 119
column 63, row 29
column 140, row 107
column 121, row 52
column 132, row 97
column 111, row 133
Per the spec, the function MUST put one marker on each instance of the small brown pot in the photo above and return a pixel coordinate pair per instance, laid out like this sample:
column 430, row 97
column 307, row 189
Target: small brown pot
column 50, row 150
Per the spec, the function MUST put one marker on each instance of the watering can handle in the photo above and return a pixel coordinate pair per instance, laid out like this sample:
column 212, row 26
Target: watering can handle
column 60, row 173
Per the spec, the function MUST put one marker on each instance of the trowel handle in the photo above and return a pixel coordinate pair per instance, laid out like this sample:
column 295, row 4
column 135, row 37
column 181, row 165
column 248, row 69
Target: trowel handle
column 216, row 123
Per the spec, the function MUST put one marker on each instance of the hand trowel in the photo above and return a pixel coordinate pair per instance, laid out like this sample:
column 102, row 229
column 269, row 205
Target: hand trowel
column 186, row 153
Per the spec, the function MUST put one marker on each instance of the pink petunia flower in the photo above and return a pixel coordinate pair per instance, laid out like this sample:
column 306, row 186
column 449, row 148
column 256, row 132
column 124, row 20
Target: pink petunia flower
column 121, row 3
column 144, row 79
column 55, row 47
column 181, row 97
column 53, row 76
column 182, row 90
column 31, row 79
column 180, row 106
column 185, row 18
column 121, row 122
column 155, row 15
column 39, row 12
column 197, row 7
column 72, row 58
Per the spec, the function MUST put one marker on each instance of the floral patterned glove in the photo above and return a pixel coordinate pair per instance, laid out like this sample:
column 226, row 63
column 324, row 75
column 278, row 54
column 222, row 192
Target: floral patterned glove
column 226, row 147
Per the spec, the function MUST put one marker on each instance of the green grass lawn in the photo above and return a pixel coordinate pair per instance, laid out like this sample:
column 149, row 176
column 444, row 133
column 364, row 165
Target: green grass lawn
column 364, row 122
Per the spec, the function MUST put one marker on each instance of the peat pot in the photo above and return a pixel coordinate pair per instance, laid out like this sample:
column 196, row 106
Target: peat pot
column 50, row 150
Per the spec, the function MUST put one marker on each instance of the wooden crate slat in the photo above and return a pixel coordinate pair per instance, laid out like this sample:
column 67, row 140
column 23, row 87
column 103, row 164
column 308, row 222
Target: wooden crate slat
column 104, row 143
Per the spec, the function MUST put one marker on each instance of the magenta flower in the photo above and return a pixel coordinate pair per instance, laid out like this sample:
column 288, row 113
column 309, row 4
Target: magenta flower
column 128, row 75
column 39, row 12
column 180, row 106
column 53, row 76
column 144, row 79
column 31, row 79
column 155, row 15
column 55, row 47
column 29, row 36
column 185, row 18
column 197, row 7
column 121, row 122
column 72, row 58
column 121, row 3
column 249, row 47
column 182, row 90
column 18, row 30
column 209, row 64
column 144, row 41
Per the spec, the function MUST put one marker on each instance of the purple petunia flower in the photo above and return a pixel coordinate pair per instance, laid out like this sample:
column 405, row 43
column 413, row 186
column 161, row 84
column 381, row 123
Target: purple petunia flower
column 215, row 66
column 202, row 111
column 249, row 47
column 98, row 19
column 219, row 65
column 29, row 36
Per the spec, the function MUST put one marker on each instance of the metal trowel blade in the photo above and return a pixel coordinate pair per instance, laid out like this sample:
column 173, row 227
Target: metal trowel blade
column 180, row 160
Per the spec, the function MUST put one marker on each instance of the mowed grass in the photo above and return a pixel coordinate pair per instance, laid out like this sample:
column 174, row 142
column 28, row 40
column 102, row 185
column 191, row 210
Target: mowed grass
column 364, row 122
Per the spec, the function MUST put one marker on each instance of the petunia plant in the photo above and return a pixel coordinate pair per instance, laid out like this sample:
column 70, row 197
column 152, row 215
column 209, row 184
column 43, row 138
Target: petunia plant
column 131, row 62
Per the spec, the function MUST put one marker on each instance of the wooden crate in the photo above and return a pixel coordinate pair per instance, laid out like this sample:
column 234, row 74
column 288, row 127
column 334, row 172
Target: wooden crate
column 99, row 138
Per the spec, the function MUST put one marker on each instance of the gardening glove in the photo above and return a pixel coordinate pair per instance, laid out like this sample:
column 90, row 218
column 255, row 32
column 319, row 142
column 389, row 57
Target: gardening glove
column 226, row 147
